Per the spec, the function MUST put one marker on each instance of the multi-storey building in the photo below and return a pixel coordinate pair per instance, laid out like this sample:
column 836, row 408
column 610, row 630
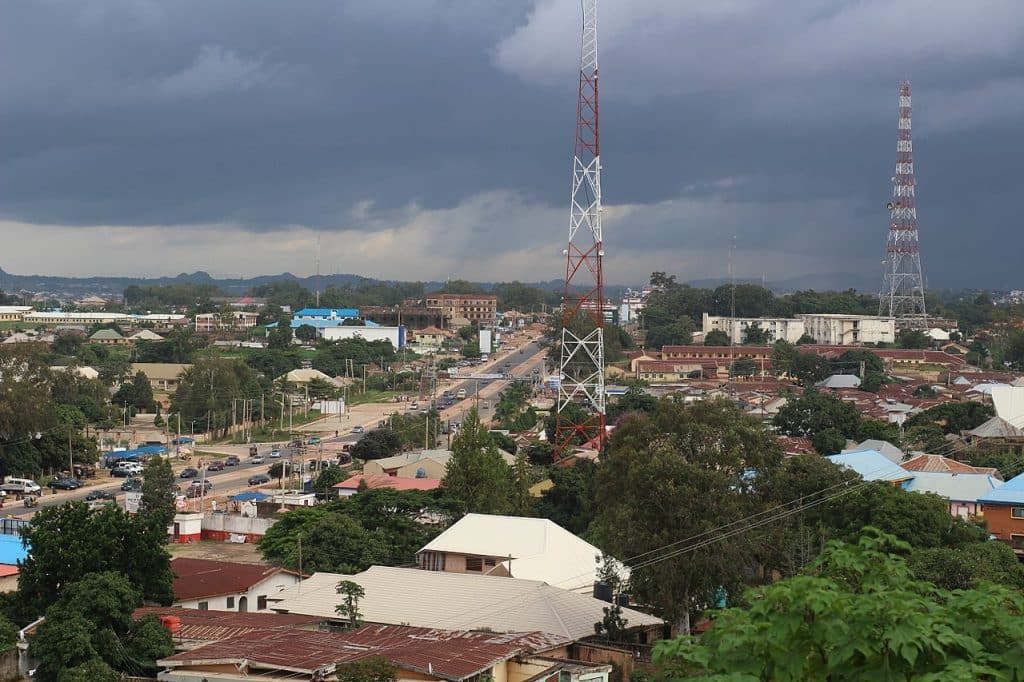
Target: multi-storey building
column 481, row 309
column 784, row 328
column 236, row 319
column 849, row 330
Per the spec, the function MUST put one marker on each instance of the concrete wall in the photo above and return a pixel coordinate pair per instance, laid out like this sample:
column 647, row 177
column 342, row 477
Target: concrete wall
column 222, row 526
column 267, row 588
column 394, row 335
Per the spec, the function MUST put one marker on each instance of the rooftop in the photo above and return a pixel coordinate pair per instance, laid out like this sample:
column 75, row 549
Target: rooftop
column 539, row 549
column 456, row 601
column 955, row 487
column 212, row 626
column 198, row 578
column 445, row 654
column 396, row 482
column 1011, row 492
column 871, row 465
column 938, row 463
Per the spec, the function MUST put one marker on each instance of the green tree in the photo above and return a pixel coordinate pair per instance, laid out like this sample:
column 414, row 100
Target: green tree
column 1008, row 462
column 306, row 333
column 351, row 593
column 829, row 441
column 678, row 333
column 157, row 506
column 927, row 437
column 858, row 614
column 280, row 337
column 137, row 393
column 373, row 669
column 913, row 338
column 570, row 501
column 692, row 464
column 476, row 477
column 716, row 337
column 328, row 478
column 953, row 417
column 872, row 429
column 521, row 501
column 969, row 566
column 70, row 541
column 815, row 412
column 755, row 336
column 743, row 367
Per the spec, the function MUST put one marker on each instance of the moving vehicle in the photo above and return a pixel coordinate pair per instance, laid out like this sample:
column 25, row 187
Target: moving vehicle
column 189, row 472
column 215, row 465
column 414, row 406
column 64, row 484
column 99, row 495
column 231, row 461
column 275, row 453
column 125, row 469
column 20, row 485
column 461, row 395
column 314, row 440
column 256, row 459
column 357, row 429
column 132, row 485
column 258, row 479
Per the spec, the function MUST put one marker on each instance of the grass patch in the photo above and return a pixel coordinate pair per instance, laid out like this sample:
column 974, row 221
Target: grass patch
column 371, row 396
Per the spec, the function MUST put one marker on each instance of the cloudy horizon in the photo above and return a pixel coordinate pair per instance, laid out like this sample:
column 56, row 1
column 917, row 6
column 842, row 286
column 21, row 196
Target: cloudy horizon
column 147, row 138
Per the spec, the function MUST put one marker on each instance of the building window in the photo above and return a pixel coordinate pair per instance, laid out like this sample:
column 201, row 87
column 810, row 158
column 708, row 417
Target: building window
column 204, row 606
column 1017, row 541
column 489, row 562
column 1017, row 512
column 231, row 602
column 474, row 563
column 261, row 603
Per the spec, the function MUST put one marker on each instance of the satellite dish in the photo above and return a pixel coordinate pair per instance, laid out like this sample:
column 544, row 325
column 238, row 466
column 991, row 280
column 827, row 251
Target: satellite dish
column 890, row 206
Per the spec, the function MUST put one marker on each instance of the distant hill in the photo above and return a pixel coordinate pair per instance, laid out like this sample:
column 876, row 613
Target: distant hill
column 832, row 281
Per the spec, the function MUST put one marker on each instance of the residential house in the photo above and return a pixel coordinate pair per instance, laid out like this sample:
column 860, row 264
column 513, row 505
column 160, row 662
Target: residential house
column 418, row 653
column 431, row 337
column 461, row 601
column 206, row 584
column 418, row 464
column 78, row 370
column 236, row 320
column 109, row 337
column 515, row 546
column 938, row 463
column 350, row 486
column 962, row 490
column 303, row 376
column 840, row 381
column 163, row 376
column 873, row 466
column 1003, row 509
column 145, row 335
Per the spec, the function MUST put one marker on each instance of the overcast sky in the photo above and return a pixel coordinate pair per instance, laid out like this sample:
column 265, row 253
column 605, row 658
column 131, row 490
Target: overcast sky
column 422, row 139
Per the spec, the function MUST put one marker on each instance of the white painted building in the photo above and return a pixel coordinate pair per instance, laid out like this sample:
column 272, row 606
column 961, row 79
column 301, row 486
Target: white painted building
column 849, row 330
column 210, row 585
column 785, row 328
column 395, row 335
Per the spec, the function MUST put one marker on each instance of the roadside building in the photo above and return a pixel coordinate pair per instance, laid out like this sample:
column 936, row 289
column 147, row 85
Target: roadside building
column 351, row 486
column 460, row 309
column 1003, row 509
column 163, row 376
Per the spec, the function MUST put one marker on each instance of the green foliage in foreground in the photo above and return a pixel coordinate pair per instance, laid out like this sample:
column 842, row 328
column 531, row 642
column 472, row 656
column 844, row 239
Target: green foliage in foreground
column 858, row 613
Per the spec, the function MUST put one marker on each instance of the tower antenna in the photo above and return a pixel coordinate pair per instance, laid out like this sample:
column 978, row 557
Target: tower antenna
column 902, row 294
column 318, row 271
column 581, row 367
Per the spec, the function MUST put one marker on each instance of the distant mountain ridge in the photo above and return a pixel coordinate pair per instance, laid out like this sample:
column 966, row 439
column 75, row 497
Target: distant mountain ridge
column 115, row 285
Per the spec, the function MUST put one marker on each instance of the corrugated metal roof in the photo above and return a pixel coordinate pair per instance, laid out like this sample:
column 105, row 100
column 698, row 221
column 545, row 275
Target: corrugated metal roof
column 871, row 465
column 1011, row 492
column 938, row 463
column 456, row 601
column 539, row 549
column 955, row 487
column 213, row 626
column 996, row 427
column 446, row 654
column 198, row 578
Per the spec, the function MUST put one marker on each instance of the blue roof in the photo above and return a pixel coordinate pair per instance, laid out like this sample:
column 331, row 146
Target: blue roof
column 1011, row 492
column 12, row 549
column 137, row 452
column 328, row 312
column 871, row 465
column 250, row 495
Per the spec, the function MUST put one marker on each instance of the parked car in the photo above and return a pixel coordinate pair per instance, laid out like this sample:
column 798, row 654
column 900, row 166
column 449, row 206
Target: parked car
column 64, row 484
column 357, row 429
column 215, row 465
column 314, row 440
column 132, row 484
column 231, row 461
column 258, row 479
column 256, row 459
column 99, row 495
column 198, row 490
column 189, row 472
column 414, row 406
column 275, row 453
column 121, row 472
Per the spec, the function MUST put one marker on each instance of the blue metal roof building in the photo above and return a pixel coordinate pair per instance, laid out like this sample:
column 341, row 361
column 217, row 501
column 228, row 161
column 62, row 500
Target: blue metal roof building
column 873, row 466
column 1011, row 492
column 327, row 313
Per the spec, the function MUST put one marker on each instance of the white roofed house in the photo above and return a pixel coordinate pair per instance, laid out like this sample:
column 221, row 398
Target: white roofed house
column 517, row 547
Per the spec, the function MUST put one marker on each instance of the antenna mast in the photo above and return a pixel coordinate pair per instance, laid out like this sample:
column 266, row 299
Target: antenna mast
column 902, row 293
column 318, row 271
column 581, row 377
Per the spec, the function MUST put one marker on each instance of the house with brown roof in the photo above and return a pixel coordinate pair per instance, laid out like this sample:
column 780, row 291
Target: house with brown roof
column 350, row 486
column 193, row 628
column 418, row 654
column 938, row 463
column 206, row 584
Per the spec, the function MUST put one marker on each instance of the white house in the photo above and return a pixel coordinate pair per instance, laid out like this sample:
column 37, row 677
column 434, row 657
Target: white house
column 205, row 584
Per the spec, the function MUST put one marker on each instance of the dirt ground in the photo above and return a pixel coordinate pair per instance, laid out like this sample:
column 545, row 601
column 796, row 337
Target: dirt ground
column 245, row 553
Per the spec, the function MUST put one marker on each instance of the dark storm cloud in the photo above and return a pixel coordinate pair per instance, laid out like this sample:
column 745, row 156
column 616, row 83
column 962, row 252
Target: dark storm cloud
column 773, row 122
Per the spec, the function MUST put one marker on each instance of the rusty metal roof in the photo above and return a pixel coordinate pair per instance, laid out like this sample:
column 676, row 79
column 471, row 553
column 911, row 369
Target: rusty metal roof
column 213, row 626
column 443, row 653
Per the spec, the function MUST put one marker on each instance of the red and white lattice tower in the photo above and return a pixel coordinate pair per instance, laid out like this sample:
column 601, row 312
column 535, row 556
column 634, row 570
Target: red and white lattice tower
column 581, row 377
column 902, row 294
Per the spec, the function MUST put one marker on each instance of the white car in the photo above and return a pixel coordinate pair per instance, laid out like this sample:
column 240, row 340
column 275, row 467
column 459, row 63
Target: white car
column 414, row 406
column 257, row 459
column 275, row 453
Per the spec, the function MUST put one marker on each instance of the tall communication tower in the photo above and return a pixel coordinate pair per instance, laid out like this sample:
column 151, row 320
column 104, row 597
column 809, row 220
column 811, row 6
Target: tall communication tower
column 581, row 379
column 902, row 293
